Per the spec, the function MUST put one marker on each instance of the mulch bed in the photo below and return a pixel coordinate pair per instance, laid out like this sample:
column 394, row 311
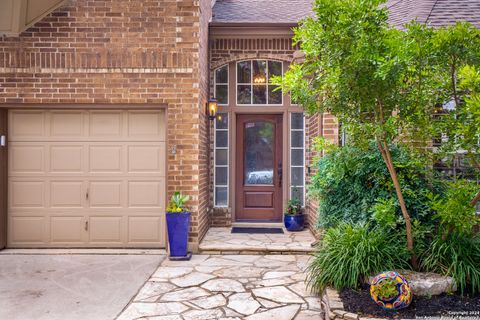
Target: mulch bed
column 359, row 301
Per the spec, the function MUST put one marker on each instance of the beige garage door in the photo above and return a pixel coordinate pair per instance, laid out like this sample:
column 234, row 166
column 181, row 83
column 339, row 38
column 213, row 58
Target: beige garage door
column 86, row 178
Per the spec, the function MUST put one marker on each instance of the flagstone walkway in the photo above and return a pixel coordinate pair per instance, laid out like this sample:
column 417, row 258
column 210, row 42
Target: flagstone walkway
column 251, row 287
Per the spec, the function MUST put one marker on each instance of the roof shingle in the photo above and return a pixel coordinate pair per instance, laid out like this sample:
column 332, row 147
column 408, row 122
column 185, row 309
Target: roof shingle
column 435, row 12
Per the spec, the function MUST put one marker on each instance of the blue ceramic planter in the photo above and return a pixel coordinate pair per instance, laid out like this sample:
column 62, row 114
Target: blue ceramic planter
column 294, row 222
column 178, row 225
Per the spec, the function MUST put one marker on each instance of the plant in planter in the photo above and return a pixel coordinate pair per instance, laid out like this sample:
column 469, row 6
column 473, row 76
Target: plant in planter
column 178, row 225
column 391, row 291
column 294, row 218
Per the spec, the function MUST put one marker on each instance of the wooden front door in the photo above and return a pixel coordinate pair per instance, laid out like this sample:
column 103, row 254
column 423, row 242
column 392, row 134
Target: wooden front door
column 258, row 173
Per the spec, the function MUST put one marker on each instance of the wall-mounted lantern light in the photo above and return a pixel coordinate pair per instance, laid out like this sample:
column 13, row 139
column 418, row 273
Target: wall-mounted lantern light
column 212, row 109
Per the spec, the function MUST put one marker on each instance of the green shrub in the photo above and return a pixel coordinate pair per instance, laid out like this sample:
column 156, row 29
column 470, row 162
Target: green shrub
column 457, row 256
column 348, row 253
column 352, row 183
column 454, row 210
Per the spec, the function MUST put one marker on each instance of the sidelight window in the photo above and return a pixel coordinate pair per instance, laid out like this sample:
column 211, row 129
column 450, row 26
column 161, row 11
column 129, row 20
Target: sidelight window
column 221, row 159
column 297, row 157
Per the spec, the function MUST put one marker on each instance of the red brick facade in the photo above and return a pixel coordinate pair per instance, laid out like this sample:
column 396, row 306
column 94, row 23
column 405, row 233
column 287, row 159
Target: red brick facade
column 148, row 52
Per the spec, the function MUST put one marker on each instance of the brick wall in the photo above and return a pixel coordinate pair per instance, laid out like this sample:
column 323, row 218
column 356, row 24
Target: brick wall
column 124, row 52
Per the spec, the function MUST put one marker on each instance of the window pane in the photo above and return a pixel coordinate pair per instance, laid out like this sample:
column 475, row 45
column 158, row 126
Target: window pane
column 244, row 94
column 297, row 193
column 259, row 94
column 274, row 96
column 221, row 196
column 221, row 138
column 221, row 157
column 259, row 71
column 297, row 157
column 222, row 121
column 221, row 176
column 244, row 72
column 297, row 120
column 297, row 176
column 221, row 93
column 274, row 68
column 297, row 139
column 258, row 159
column 221, row 75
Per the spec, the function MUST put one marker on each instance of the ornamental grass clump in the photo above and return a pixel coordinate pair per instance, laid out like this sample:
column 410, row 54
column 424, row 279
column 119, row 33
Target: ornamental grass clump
column 350, row 252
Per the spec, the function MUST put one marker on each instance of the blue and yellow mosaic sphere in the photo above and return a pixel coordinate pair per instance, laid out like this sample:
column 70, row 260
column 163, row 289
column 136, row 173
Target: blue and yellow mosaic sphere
column 404, row 295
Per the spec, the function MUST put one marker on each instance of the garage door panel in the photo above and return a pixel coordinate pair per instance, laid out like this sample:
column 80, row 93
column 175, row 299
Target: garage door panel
column 104, row 124
column 67, row 229
column 27, row 125
column 27, row 194
column 105, row 230
column 66, row 124
column 105, row 194
column 67, row 194
column 27, row 229
column 105, row 158
column 66, row 159
column 146, row 158
column 144, row 194
column 146, row 124
column 146, row 229
column 27, row 159
column 86, row 178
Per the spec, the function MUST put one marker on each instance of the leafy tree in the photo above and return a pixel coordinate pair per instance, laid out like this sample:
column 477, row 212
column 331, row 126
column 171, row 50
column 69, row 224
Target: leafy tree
column 381, row 83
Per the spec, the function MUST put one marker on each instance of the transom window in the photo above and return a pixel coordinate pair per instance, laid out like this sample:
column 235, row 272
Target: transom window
column 253, row 78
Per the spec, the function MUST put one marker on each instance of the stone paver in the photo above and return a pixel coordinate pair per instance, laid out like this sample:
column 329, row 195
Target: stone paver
column 252, row 287
column 221, row 240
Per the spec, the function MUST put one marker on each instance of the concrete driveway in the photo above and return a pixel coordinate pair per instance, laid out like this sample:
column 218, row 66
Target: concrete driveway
column 71, row 286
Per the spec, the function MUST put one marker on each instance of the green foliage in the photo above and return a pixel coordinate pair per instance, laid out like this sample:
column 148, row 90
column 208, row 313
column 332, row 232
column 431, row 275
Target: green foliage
column 457, row 256
column 294, row 207
column 453, row 208
column 177, row 203
column 386, row 289
column 353, row 184
column 348, row 253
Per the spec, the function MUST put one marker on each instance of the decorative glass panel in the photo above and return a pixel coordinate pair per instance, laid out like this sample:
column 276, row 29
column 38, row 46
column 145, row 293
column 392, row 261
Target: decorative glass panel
column 221, row 196
column 297, row 139
column 221, row 85
column 244, row 72
column 297, row 157
column 297, row 121
column 274, row 68
column 259, row 140
column 259, row 71
column 244, row 94
column 274, row 96
column 221, row 161
column 221, row 157
column 221, row 174
column 259, row 94
column 221, row 93
column 221, row 75
column 221, row 138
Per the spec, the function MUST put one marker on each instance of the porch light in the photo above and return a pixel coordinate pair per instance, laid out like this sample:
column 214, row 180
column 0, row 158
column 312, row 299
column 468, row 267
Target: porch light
column 212, row 106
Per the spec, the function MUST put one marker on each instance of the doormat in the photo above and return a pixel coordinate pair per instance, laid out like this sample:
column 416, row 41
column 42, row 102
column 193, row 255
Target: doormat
column 256, row 230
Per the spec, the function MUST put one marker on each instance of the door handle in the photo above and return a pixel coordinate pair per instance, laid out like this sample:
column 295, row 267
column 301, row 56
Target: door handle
column 279, row 171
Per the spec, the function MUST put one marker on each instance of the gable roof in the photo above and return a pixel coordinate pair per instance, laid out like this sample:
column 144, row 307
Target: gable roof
column 435, row 12
column 261, row 11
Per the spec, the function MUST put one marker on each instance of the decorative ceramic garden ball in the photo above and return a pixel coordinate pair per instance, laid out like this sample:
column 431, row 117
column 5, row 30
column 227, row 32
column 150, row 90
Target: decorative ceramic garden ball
column 391, row 291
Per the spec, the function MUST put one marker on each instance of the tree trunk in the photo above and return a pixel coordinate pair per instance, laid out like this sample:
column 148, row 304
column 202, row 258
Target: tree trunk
column 385, row 151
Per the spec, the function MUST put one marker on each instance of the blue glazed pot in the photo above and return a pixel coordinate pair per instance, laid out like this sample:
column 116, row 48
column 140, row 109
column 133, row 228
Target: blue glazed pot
column 294, row 222
column 178, row 225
